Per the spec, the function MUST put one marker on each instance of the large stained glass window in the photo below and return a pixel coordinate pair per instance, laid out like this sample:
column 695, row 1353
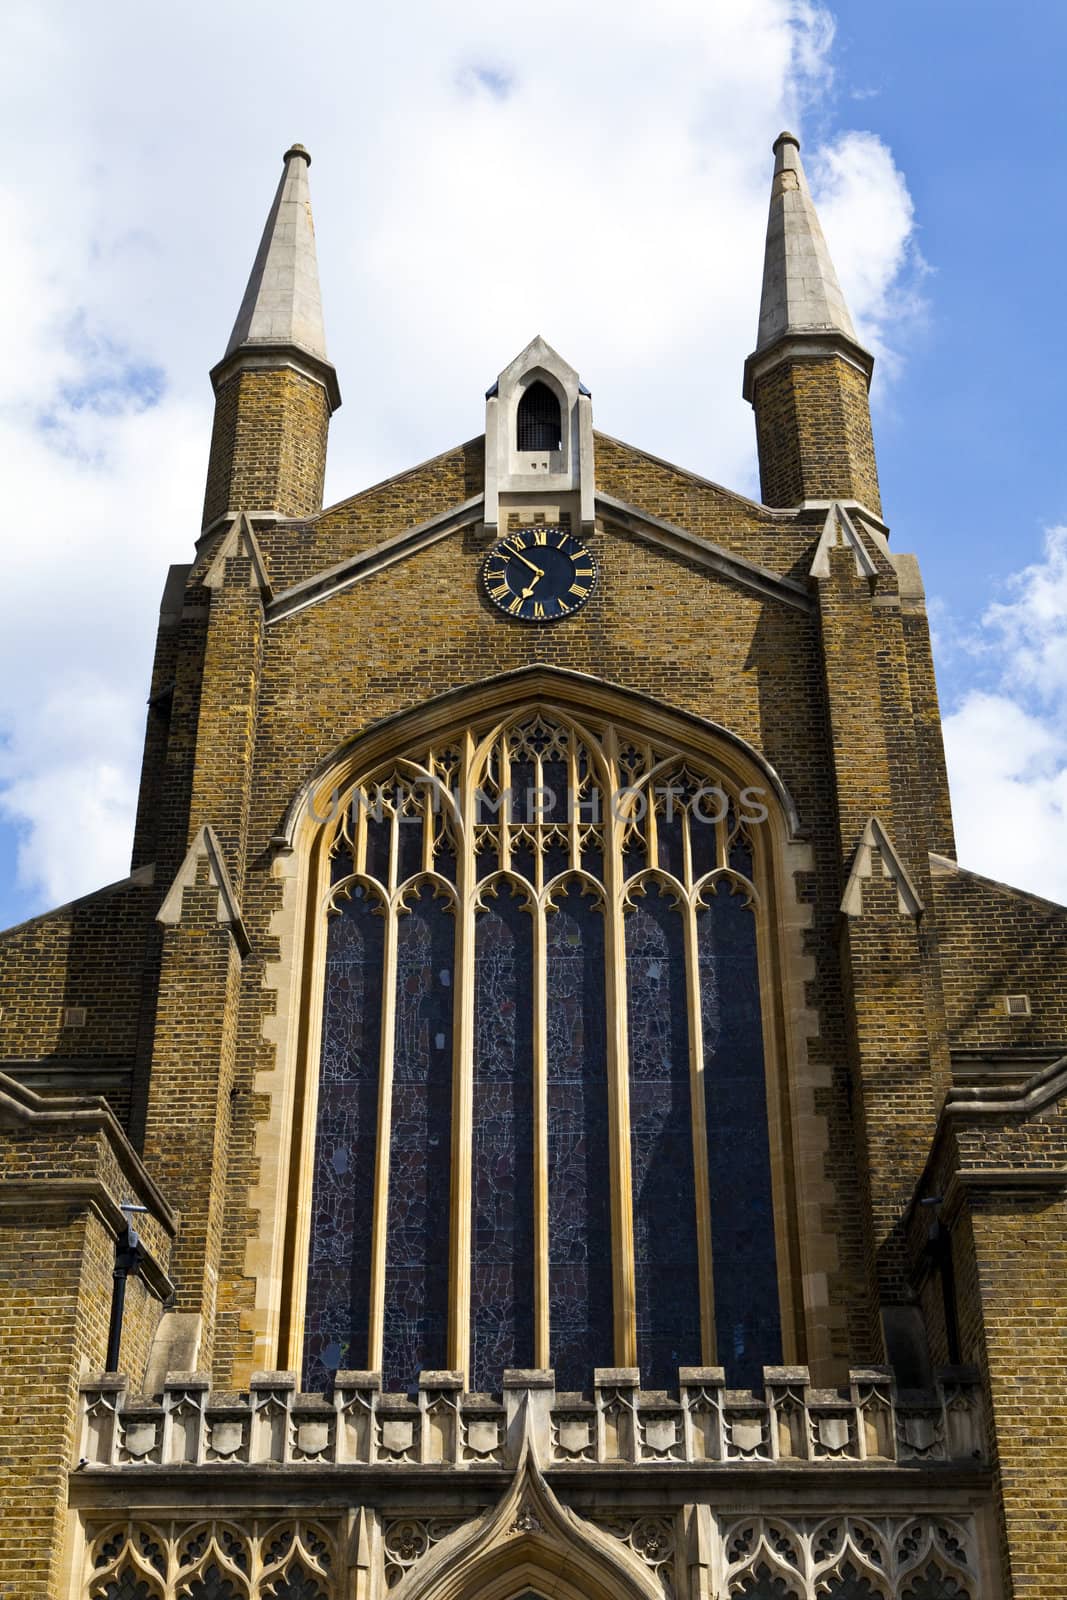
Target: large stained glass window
column 542, row 983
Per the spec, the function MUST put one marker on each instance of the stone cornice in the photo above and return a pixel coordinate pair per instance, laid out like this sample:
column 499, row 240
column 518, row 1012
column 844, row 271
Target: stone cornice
column 253, row 357
column 353, row 569
column 23, row 1107
column 701, row 552
column 805, row 346
column 1000, row 1101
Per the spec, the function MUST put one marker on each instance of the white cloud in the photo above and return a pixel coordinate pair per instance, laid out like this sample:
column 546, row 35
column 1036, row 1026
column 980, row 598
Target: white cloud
column 601, row 178
column 1006, row 742
column 869, row 221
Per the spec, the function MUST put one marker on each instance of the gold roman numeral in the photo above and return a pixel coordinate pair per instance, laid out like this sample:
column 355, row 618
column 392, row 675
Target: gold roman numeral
column 583, row 572
column 579, row 589
column 501, row 592
column 541, row 536
column 516, row 606
column 539, row 610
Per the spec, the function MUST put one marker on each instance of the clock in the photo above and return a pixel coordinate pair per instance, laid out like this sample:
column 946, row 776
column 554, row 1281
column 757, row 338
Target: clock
column 539, row 574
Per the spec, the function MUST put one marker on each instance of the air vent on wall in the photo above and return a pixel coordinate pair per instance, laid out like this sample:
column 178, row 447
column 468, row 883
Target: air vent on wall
column 1017, row 1005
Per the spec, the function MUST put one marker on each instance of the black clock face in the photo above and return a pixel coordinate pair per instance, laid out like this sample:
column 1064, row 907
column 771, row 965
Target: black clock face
column 539, row 574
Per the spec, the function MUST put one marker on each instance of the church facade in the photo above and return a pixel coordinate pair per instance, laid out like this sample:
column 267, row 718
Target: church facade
column 547, row 1114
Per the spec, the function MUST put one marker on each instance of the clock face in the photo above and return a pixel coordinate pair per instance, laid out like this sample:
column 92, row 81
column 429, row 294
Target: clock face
column 539, row 574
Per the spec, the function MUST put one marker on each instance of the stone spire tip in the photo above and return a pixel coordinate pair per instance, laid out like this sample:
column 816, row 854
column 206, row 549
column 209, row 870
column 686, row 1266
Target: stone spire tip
column 801, row 299
column 282, row 305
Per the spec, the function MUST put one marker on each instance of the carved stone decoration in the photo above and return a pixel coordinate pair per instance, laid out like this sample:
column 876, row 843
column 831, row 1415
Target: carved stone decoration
column 483, row 1435
column 574, row 1437
column 920, row 1435
column 747, row 1436
column 650, row 1538
column 408, row 1539
column 311, row 1440
column 662, row 1436
column 527, row 1521
column 227, row 1439
column 140, row 1440
column 396, row 1438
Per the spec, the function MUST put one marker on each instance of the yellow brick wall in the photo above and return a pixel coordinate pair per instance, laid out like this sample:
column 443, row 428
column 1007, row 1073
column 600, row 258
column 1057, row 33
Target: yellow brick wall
column 56, row 1262
column 997, row 941
column 813, row 432
column 268, row 445
column 1021, row 1257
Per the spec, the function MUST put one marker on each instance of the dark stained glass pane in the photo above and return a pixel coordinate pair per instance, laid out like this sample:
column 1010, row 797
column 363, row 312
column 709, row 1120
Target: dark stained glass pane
column 212, row 1584
column 525, row 803
column 127, row 1586
column 297, row 1584
column 849, row 1584
column 335, row 1329
column 763, row 1584
column 502, row 1142
column 933, row 1584
column 554, row 800
column 665, row 1248
column 669, row 824
column 579, row 1206
column 741, row 855
column 410, row 830
column 379, row 834
column 705, row 806
column 416, row 1276
column 747, row 1317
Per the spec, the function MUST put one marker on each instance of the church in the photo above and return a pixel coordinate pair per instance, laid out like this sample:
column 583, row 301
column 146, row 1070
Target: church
column 547, row 1116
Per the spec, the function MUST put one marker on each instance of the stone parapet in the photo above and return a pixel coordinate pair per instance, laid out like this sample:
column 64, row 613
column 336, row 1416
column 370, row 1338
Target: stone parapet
column 870, row 1421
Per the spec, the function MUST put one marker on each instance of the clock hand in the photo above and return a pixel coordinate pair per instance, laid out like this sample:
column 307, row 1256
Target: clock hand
column 530, row 587
column 529, row 564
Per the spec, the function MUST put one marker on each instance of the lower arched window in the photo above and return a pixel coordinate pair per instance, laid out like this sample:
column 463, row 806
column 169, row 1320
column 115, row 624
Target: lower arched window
column 542, row 1132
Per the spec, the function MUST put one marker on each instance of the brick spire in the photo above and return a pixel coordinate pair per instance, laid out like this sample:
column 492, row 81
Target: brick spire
column 275, row 386
column 808, row 375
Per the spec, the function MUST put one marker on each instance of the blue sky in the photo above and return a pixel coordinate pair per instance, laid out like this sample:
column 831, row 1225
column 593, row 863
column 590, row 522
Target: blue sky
column 602, row 180
column 969, row 97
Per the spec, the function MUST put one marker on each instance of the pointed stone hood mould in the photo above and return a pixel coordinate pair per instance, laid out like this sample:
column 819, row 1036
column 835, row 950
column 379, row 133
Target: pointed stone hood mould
column 801, row 299
column 282, row 303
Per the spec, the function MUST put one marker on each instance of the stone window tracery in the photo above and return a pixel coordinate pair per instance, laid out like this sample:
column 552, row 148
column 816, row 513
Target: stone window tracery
column 291, row 1559
column 542, row 1095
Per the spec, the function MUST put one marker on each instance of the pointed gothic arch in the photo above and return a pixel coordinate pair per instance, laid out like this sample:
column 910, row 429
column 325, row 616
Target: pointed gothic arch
column 528, row 1543
column 673, row 738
